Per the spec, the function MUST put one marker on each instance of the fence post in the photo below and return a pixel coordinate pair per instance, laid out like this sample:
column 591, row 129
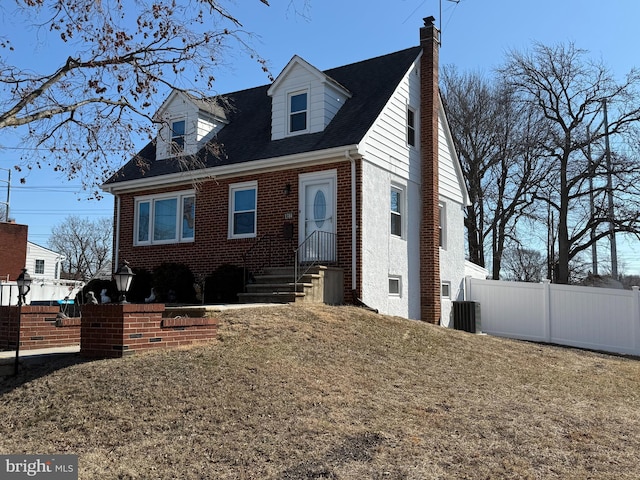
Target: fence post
column 636, row 319
column 466, row 294
column 546, row 305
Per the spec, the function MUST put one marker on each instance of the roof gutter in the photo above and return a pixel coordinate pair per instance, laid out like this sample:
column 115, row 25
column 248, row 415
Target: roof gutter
column 232, row 170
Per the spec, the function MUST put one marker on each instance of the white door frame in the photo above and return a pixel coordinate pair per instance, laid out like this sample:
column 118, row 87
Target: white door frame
column 305, row 180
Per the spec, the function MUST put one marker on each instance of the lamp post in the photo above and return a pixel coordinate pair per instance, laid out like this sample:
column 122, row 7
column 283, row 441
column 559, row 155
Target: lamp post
column 24, row 286
column 123, row 278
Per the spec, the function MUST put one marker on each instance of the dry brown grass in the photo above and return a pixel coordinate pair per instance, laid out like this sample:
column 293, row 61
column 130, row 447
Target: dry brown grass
column 334, row 393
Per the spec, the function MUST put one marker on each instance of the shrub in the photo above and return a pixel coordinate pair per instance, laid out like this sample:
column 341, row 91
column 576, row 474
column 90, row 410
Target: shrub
column 224, row 284
column 173, row 283
column 140, row 286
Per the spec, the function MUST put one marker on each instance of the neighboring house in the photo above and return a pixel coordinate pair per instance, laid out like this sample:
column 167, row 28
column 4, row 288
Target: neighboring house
column 43, row 263
column 357, row 160
column 43, row 266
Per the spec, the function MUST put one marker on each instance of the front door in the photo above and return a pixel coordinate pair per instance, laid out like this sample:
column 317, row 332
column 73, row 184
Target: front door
column 318, row 217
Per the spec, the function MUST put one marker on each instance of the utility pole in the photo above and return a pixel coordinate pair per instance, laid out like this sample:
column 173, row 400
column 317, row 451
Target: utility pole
column 611, row 213
column 6, row 204
column 594, row 247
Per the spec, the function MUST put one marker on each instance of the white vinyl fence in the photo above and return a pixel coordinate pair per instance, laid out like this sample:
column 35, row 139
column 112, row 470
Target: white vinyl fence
column 586, row 317
column 42, row 290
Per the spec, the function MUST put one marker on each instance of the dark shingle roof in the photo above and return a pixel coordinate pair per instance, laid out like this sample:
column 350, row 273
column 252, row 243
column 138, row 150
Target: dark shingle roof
column 247, row 137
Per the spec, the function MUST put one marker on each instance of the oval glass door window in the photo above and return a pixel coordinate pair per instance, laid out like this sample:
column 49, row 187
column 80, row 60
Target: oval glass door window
column 319, row 208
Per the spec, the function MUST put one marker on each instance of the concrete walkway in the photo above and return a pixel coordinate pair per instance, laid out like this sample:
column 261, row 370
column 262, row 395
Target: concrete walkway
column 38, row 351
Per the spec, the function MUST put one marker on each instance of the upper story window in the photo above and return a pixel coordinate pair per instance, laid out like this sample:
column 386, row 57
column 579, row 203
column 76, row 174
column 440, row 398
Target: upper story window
column 442, row 225
column 298, row 109
column 178, row 129
column 167, row 218
column 39, row 267
column 396, row 211
column 411, row 127
column 243, row 209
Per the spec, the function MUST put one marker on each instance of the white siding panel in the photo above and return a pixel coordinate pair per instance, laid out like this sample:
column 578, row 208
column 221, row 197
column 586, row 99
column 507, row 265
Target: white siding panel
column 449, row 183
column 385, row 144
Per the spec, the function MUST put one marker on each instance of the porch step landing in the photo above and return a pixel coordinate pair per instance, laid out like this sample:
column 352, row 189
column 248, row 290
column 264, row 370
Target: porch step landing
column 276, row 285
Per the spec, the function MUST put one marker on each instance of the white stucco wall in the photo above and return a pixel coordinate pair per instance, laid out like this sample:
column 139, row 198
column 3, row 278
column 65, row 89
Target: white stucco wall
column 452, row 263
column 385, row 255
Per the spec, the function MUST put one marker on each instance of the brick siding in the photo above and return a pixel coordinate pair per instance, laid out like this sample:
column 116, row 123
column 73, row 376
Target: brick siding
column 213, row 248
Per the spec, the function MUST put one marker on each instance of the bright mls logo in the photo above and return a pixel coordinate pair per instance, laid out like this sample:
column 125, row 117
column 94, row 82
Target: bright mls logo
column 59, row 467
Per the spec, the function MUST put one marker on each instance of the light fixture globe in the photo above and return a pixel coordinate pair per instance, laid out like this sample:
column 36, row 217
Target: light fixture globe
column 123, row 278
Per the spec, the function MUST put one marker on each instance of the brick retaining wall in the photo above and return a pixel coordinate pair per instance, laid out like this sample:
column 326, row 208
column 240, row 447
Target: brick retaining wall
column 39, row 328
column 115, row 330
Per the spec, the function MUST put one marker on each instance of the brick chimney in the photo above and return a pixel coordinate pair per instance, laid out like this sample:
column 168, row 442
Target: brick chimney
column 429, row 225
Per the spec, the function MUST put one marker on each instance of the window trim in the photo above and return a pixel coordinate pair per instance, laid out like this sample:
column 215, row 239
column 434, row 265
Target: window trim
column 445, row 286
column 401, row 206
column 234, row 187
column 398, row 280
column 39, row 261
column 177, row 148
column 290, row 113
column 180, row 198
column 411, row 127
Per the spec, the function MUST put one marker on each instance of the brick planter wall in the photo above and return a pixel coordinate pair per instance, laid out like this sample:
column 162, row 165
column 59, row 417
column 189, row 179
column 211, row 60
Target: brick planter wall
column 39, row 328
column 112, row 331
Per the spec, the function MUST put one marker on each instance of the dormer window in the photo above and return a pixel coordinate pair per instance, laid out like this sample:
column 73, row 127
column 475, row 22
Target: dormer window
column 177, row 136
column 298, row 109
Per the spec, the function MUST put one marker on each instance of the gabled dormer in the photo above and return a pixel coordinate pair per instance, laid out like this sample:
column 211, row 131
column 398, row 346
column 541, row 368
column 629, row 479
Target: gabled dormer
column 186, row 123
column 303, row 100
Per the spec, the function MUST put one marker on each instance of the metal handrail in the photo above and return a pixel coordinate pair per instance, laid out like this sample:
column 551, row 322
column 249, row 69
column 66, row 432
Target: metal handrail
column 262, row 252
column 318, row 247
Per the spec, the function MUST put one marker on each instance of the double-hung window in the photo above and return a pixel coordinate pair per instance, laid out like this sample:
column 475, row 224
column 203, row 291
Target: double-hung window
column 396, row 211
column 178, row 129
column 411, row 127
column 167, row 218
column 298, row 109
column 243, row 209
column 39, row 267
column 442, row 222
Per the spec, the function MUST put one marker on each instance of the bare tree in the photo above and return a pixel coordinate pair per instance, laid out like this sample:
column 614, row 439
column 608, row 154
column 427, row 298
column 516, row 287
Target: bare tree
column 524, row 265
column 497, row 139
column 569, row 91
column 118, row 57
column 86, row 245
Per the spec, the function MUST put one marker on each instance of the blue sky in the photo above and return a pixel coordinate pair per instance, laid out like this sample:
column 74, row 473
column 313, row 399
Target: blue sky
column 475, row 36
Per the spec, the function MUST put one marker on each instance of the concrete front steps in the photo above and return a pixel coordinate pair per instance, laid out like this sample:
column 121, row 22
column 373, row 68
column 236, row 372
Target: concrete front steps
column 320, row 284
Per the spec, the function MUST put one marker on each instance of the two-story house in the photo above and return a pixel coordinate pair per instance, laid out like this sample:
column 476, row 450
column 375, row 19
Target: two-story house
column 353, row 167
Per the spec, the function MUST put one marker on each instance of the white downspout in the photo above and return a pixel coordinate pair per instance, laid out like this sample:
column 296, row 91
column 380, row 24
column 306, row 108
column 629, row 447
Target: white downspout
column 354, row 224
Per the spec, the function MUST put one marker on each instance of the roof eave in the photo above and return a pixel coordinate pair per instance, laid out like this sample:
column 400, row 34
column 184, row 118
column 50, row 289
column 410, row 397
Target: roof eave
column 238, row 169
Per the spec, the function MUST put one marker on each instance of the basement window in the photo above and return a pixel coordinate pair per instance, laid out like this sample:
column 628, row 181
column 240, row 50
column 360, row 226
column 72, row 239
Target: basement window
column 446, row 289
column 395, row 286
column 167, row 218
